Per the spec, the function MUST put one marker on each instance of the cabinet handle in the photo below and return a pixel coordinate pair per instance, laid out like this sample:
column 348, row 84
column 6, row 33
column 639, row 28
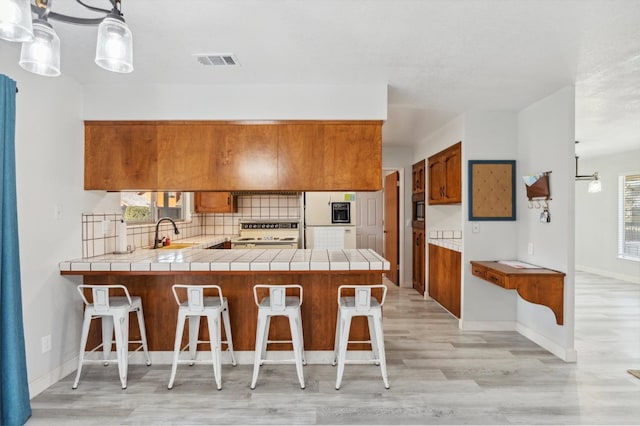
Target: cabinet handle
column 228, row 201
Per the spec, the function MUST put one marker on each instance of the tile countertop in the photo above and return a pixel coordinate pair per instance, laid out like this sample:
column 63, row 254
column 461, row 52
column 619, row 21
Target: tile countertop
column 451, row 240
column 200, row 259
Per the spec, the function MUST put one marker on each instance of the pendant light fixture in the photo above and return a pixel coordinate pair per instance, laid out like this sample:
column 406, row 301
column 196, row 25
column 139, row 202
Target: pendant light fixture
column 41, row 45
column 15, row 20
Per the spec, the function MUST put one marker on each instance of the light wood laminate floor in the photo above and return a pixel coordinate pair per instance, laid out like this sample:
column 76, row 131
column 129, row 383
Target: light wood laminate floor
column 438, row 375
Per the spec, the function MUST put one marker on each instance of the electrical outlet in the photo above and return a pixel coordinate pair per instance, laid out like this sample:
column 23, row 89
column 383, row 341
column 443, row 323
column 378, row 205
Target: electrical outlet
column 45, row 342
column 530, row 248
column 475, row 227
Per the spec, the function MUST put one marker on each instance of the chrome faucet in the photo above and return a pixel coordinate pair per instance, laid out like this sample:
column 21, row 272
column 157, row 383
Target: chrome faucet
column 162, row 219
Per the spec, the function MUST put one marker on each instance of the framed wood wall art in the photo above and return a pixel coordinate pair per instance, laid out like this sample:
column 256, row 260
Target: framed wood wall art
column 492, row 190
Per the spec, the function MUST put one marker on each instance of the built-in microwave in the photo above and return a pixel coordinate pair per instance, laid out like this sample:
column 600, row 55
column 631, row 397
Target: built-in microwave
column 418, row 211
column 341, row 213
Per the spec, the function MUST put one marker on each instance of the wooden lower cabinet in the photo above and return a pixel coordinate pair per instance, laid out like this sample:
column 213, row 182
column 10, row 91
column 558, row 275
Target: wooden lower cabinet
column 319, row 307
column 215, row 202
column 445, row 277
column 418, row 260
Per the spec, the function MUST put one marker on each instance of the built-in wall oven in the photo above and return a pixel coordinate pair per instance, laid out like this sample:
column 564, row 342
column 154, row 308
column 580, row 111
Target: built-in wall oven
column 341, row 212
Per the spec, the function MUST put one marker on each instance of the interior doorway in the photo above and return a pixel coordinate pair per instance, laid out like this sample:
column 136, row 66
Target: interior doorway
column 370, row 219
column 391, row 224
column 371, row 223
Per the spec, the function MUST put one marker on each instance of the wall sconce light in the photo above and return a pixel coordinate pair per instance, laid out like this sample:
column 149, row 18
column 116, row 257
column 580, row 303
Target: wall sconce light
column 595, row 184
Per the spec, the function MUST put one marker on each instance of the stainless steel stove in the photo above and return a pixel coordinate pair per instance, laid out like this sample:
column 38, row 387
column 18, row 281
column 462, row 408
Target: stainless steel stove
column 267, row 234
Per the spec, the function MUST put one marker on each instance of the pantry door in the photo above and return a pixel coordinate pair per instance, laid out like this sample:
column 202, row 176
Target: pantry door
column 391, row 248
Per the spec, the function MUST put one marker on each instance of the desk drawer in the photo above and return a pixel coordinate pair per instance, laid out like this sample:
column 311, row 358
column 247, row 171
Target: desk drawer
column 495, row 278
column 479, row 271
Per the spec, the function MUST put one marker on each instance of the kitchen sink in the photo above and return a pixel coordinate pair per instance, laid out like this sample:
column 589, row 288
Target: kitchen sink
column 177, row 246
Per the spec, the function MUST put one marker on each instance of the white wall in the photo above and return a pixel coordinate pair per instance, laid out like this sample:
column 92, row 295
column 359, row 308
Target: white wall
column 401, row 157
column 597, row 217
column 49, row 169
column 236, row 102
column 489, row 135
column 540, row 138
column 546, row 143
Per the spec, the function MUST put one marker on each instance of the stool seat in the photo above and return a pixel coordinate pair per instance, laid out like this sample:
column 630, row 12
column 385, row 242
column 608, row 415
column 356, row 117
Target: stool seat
column 360, row 304
column 278, row 303
column 195, row 306
column 114, row 312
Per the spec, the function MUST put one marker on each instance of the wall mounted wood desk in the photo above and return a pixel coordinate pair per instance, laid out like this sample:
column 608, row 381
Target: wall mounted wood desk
column 540, row 286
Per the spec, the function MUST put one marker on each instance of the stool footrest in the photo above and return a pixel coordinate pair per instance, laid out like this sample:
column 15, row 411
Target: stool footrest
column 204, row 342
column 277, row 361
column 361, row 361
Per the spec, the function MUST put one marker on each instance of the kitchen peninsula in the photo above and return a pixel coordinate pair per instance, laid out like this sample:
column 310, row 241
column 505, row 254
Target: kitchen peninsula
column 151, row 273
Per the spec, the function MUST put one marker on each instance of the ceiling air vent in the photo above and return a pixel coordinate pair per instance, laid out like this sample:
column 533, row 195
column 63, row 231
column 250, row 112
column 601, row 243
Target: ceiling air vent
column 218, row 60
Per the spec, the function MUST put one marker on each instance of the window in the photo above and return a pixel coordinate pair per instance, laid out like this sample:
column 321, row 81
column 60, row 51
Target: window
column 629, row 217
column 148, row 207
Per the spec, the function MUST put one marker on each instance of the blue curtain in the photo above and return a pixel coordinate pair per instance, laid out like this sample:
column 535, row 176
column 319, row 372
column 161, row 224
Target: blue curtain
column 14, row 385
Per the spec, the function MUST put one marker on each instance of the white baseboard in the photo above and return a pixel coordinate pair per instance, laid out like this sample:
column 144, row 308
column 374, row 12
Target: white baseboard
column 565, row 354
column 622, row 277
column 487, row 325
column 41, row 383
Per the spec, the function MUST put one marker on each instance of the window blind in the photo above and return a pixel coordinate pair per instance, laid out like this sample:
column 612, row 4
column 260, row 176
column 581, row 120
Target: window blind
column 629, row 217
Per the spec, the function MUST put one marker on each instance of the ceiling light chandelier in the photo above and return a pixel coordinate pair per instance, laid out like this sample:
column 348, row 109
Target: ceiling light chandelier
column 595, row 185
column 40, row 52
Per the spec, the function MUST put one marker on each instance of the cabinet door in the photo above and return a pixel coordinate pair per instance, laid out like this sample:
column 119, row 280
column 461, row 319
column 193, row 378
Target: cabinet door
column 445, row 176
column 300, row 157
column 247, row 158
column 120, row 156
column 445, row 268
column 186, row 156
column 418, row 177
column 436, row 180
column 452, row 167
column 215, row 202
column 352, row 157
column 418, row 260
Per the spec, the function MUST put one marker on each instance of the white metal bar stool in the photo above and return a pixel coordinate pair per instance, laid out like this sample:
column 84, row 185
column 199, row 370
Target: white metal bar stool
column 277, row 303
column 360, row 304
column 195, row 306
column 114, row 312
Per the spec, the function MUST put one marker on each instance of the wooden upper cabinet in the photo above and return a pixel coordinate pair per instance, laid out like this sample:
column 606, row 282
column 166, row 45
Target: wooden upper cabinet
column 120, row 156
column 230, row 156
column 418, row 175
column 215, row 202
column 247, row 157
column 445, row 176
column 298, row 144
column 352, row 157
column 186, row 157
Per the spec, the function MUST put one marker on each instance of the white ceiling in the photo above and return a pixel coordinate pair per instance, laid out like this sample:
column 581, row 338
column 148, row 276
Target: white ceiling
column 438, row 57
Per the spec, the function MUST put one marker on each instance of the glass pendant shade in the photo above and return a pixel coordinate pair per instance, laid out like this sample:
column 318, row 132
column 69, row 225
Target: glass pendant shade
column 15, row 20
column 595, row 186
column 114, row 50
column 42, row 55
